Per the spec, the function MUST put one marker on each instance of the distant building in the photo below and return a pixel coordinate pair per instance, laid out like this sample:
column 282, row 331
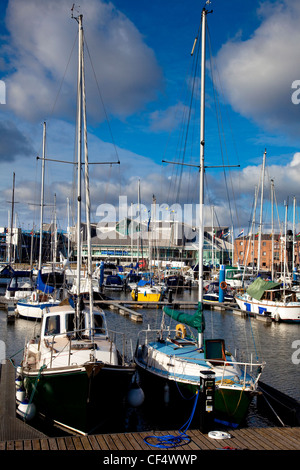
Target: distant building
column 161, row 242
column 246, row 251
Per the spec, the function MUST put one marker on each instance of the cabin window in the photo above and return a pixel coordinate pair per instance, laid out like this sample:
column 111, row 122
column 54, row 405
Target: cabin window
column 98, row 323
column 52, row 325
column 70, row 322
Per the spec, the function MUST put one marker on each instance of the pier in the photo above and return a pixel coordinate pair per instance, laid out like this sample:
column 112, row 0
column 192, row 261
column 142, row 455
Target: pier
column 17, row 435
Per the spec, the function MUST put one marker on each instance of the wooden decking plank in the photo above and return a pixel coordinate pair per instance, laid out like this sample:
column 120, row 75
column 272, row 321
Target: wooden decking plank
column 139, row 437
column 69, row 443
column 61, row 443
column 27, row 444
column 109, row 441
column 252, row 442
column 94, row 443
column 53, row 444
column 117, row 441
column 201, row 440
column 238, row 442
column 136, row 442
column 126, row 442
column 36, row 445
column 77, row 442
column 18, row 445
column 262, row 440
column 44, row 444
column 102, row 443
column 287, row 439
column 85, row 443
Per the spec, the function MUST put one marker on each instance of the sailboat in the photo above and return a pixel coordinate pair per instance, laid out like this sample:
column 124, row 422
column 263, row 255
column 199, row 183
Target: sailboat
column 73, row 373
column 171, row 361
column 43, row 296
column 270, row 299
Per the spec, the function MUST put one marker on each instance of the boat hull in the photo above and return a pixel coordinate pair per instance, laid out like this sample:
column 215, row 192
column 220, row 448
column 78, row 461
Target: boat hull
column 146, row 296
column 33, row 310
column 288, row 313
column 230, row 405
column 78, row 398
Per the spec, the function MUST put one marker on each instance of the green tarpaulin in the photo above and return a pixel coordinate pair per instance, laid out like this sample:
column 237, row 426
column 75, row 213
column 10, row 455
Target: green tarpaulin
column 195, row 321
column 259, row 286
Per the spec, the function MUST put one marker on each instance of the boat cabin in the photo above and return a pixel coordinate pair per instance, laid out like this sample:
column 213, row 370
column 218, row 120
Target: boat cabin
column 60, row 320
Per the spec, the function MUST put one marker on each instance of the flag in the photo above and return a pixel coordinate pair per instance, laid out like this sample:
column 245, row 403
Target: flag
column 226, row 234
column 241, row 233
column 298, row 234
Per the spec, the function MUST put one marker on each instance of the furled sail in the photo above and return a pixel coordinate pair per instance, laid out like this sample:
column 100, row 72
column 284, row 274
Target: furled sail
column 195, row 321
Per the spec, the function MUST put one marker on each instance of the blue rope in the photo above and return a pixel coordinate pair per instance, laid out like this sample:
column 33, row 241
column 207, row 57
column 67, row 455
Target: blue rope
column 169, row 441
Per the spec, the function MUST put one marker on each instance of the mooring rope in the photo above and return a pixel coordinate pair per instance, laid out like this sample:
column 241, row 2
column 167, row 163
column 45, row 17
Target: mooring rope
column 169, row 441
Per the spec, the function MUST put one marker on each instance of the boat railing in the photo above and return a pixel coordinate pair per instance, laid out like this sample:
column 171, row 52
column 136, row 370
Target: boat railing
column 81, row 334
column 250, row 371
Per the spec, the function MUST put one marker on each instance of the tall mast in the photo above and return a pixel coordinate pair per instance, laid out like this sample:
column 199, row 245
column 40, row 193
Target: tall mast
column 202, row 143
column 10, row 250
column 79, row 153
column 87, row 199
column 261, row 211
column 42, row 197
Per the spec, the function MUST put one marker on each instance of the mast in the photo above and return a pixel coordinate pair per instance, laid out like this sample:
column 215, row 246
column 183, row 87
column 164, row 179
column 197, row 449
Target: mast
column 202, row 143
column 272, row 211
column 10, row 256
column 42, row 197
column 87, row 199
column 79, row 153
column 261, row 210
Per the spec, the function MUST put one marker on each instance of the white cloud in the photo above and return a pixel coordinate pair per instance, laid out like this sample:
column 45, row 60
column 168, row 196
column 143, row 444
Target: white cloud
column 257, row 73
column 42, row 36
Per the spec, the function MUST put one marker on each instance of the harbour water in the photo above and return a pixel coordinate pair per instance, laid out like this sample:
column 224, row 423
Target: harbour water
column 274, row 343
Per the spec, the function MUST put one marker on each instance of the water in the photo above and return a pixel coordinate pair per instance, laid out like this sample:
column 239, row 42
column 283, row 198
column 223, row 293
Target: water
column 272, row 343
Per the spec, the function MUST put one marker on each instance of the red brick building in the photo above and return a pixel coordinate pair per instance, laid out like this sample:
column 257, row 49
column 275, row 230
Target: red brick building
column 246, row 251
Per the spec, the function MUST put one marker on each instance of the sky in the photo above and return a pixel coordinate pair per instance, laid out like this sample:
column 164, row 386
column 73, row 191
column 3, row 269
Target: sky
column 138, row 67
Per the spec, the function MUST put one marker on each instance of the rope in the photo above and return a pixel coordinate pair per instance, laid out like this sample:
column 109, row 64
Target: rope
column 170, row 441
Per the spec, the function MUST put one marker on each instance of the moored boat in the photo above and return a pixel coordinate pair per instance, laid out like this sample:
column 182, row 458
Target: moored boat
column 272, row 299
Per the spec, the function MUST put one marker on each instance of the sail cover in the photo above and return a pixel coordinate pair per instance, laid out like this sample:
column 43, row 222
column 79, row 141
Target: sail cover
column 194, row 321
column 43, row 287
column 259, row 286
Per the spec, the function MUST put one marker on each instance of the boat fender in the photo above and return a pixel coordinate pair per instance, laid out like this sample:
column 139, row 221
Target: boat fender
column 135, row 396
column 223, row 285
column 34, row 297
column 26, row 410
column 166, row 394
column 181, row 330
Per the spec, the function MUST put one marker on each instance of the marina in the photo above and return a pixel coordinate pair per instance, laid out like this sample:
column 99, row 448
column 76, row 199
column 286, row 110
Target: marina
column 159, row 333
column 270, row 337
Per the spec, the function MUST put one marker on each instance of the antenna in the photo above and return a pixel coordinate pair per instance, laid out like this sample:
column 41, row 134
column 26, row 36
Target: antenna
column 76, row 9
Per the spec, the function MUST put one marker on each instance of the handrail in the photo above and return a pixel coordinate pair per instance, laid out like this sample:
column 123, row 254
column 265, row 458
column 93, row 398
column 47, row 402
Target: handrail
column 69, row 334
column 220, row 362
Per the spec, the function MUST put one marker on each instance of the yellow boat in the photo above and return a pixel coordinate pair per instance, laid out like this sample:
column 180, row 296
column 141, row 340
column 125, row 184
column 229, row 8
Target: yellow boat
column 146, row 293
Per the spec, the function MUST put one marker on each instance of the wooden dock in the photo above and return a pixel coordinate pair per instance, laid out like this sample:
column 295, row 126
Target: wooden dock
column 252, row 439
column 17, row 435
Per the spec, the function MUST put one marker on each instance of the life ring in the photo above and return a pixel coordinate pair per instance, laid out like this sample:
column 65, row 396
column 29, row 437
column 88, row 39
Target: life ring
column 223, row 285
column 181, row 330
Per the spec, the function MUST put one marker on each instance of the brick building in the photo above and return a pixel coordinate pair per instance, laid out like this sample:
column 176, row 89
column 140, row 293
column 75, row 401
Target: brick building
column 246, row 251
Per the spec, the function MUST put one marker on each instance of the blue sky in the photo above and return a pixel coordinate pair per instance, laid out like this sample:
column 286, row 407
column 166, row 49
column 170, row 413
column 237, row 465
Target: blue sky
column 138, row 56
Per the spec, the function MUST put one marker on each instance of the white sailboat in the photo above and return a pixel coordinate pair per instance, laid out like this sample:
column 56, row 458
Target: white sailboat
column 172, row 359
column 73, row 373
